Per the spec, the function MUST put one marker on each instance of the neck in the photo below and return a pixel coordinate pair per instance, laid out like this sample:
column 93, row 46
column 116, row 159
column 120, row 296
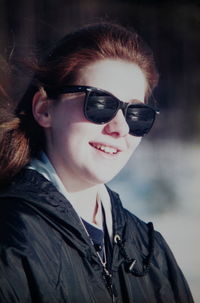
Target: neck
column 86, row 202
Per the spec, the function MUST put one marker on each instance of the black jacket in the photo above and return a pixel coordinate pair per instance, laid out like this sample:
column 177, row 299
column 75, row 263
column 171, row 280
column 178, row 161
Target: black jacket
column 46, row 256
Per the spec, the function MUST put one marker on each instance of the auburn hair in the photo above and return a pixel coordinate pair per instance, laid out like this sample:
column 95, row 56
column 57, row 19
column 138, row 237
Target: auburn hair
column 20, row 135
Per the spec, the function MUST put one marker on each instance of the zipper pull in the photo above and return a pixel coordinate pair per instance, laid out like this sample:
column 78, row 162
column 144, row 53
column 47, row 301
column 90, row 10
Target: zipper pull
column 108, row 279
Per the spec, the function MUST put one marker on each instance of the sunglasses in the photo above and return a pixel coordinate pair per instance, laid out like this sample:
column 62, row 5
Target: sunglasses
column 100, row 107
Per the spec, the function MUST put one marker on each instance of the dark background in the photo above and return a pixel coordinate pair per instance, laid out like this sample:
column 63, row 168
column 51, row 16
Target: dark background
column 171, row 28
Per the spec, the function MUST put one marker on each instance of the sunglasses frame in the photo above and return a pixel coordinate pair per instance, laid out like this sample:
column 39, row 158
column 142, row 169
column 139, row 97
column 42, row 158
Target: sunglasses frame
column 121, row 104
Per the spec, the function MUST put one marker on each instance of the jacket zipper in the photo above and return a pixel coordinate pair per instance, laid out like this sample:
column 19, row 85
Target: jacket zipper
column 108, row 281
column 107, row 276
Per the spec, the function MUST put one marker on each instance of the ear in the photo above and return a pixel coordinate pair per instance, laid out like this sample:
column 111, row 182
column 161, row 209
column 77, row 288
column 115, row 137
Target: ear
column 41, row 109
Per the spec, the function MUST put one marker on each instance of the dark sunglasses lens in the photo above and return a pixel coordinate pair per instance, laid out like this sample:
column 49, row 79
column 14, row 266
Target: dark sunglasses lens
column 140, row 119
column 100, row 107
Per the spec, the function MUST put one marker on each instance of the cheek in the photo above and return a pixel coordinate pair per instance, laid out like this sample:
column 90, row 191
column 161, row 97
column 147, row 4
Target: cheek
column 133, row 142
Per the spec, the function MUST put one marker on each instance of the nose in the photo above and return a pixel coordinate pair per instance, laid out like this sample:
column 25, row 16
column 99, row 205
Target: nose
column 118, row 126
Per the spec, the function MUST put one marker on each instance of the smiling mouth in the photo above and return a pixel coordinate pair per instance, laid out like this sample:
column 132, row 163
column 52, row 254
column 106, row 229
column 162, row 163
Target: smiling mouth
column 105, row 148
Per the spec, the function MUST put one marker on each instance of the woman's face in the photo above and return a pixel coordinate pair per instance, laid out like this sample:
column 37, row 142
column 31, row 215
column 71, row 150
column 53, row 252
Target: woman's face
column 85, row 154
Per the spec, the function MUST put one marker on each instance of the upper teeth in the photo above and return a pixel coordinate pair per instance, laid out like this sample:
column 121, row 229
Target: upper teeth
column 106, row 149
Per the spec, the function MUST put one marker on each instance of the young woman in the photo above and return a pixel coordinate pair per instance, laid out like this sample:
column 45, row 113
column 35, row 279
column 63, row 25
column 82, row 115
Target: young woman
column 64, row 236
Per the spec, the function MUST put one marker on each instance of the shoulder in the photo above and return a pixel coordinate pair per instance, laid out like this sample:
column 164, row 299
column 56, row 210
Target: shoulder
column 136, row 228
column 141, row 241
column 24, row 183
column 23, row 210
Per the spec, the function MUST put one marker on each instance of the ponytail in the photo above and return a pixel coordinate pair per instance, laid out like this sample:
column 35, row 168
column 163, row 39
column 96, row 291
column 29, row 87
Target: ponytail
column 14, row 144
column 14, row 152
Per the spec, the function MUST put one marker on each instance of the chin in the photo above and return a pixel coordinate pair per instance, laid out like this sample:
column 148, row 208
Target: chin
column 105, row 177
column 100, row 173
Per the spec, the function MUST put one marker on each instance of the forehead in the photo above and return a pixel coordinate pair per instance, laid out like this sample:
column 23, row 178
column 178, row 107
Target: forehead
column 123, row 79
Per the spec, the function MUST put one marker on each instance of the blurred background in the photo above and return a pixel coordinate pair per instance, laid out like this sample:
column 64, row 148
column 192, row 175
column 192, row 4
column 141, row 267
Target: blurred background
column 161, row 182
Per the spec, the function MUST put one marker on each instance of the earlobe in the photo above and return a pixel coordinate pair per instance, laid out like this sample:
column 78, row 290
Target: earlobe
column 40, row 108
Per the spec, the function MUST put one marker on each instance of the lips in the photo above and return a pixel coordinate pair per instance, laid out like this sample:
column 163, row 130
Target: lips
column 111, row 150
